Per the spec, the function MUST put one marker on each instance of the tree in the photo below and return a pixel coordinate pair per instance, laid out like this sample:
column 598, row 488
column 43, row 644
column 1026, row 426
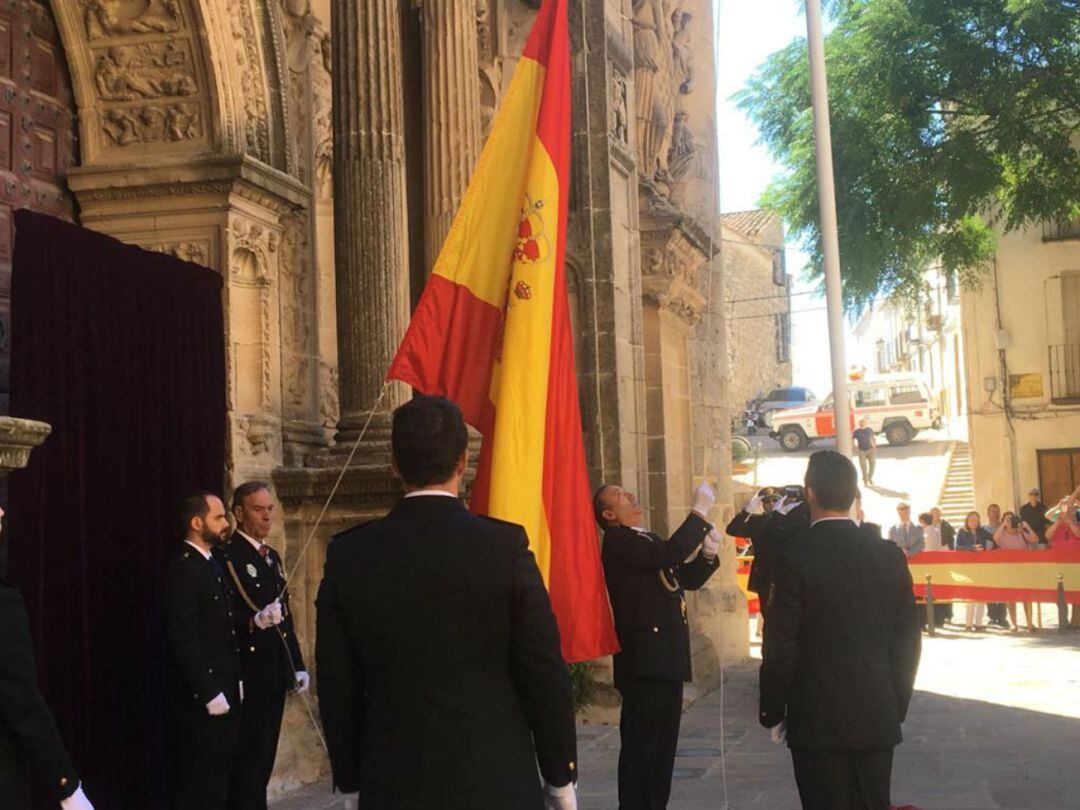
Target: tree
column 951, row 120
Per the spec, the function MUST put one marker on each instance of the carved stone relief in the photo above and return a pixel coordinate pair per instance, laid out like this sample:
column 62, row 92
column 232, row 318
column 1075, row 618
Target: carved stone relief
column 618, row 125
column 175, row 122
column 253, row 253
column 197, row 252
column 296, row 297
column 147, row 71
column 122, row 17
column 246, row 49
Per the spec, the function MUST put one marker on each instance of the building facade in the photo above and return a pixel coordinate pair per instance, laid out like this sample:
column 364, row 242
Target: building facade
column 313, row 153
column 758, row 299
column 1022, row 349
column 921, row 334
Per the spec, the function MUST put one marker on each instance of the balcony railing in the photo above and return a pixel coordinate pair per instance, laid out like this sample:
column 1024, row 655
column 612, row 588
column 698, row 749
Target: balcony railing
column 1065, row 374
column 1058, row 229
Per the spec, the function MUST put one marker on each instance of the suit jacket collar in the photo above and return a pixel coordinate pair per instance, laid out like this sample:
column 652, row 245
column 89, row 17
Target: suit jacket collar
column 428, row 504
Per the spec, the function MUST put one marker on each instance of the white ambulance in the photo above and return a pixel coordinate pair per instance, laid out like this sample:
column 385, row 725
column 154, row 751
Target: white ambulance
column 896, row 405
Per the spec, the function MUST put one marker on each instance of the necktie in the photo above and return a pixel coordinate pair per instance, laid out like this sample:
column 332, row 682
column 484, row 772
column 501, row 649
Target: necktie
column 263, row 551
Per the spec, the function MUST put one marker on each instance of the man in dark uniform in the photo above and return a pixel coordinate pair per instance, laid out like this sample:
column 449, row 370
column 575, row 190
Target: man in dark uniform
column 31, row 751
column 781, row 527
column 271, row 664
column 752, row 516
column 645, row 580
column 442, row 695
column 204, row 663
column 838, row 681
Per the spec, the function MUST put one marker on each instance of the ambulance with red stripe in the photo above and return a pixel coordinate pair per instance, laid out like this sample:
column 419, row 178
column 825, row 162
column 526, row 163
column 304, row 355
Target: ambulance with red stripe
column 897, row 406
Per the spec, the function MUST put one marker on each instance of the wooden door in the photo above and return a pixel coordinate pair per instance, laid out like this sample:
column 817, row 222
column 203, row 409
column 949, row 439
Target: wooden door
column 37, row 137
column 1059, row 473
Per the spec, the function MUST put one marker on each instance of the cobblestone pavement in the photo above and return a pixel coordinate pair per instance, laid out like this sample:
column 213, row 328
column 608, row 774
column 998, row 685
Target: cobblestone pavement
column 995, row 725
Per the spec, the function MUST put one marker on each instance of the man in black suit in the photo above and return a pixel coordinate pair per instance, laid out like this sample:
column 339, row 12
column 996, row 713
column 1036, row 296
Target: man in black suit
column 645, row 580
column 271, row 664
column 440, row 678
column 31, row 751
column 204, row 664
column 838, row 681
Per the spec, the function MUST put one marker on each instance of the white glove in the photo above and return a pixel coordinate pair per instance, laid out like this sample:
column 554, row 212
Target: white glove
column 704, row 498
column 303, row 681
column 269, row 615
column 76, row 801
column 241, row 691
column 560, row 798
column 710, row 546
column 786, row 507
column 754, row 506
column 218, row 706
column 778, row 733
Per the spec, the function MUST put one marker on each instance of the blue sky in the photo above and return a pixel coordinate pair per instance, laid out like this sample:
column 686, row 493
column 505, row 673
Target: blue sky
column 750, row 30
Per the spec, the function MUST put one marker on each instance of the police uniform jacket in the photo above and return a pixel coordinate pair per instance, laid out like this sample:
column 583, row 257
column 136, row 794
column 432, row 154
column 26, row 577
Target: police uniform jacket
column 746, row 525
column 440, row 677
column 203, row 659
column 842, row 678
column 645, row 580
column 265, row 660
column 31, row 751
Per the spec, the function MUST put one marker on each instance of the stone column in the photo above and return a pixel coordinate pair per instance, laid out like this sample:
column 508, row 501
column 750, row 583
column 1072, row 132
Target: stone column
column 370, row 227
column 451, row 113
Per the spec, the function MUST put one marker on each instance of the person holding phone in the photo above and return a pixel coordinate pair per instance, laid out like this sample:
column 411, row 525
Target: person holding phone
column 1015, row 535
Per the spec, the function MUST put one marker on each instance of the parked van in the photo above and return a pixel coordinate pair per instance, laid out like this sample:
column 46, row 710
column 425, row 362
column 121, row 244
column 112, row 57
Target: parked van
column 896, row 405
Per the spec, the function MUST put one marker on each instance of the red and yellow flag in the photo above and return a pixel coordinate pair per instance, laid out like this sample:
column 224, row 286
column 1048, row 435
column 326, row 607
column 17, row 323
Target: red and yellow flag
column 492, row 333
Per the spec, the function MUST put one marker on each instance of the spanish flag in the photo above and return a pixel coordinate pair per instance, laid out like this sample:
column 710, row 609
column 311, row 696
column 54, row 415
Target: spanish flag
column 492, row 333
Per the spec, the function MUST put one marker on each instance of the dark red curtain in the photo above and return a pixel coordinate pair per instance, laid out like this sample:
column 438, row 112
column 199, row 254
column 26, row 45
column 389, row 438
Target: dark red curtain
column 121, row 350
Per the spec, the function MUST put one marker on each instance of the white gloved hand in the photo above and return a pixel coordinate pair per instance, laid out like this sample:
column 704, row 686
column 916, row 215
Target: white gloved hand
column 560, row 798
column 269, row 615
column 786, row 507
column 704, row 498
column 303, row 681
column 241, row 691
column 778, row 733
column 754, row 506
column 710, row 546
column 76, row 801
column 218, row 706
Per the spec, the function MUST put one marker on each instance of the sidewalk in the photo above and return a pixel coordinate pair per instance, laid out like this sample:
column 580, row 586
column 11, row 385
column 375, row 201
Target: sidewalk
column 961, row 751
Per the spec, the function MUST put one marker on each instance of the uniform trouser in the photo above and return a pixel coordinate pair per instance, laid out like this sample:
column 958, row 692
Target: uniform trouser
column 649, row 731
column 843, row 780
column 260, row 727
column 203, row 748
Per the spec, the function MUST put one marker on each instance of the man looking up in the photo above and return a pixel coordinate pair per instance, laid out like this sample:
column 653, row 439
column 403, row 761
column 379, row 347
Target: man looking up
column 645, row 580
column 838, row 681
column 441, row 681
column 269, row 654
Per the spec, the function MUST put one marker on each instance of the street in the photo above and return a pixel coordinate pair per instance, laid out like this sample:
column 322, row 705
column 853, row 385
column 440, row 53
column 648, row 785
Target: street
column 914, row 473
column 994, row 724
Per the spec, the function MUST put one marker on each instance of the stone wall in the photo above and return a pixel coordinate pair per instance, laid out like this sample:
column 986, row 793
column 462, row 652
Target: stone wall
column 756, row 353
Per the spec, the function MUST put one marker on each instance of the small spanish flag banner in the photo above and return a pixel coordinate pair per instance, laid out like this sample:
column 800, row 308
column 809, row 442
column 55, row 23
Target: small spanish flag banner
column 997, row 576
column 492, row 333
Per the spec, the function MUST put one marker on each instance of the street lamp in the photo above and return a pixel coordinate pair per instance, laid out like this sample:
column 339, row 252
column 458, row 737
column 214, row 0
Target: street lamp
column 830, row 242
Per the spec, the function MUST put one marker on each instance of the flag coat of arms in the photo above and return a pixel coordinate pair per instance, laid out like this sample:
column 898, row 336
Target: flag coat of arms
column 492, row 332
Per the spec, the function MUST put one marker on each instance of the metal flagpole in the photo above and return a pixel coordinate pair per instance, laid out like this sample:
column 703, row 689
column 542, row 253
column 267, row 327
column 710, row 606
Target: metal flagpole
column 830, row 242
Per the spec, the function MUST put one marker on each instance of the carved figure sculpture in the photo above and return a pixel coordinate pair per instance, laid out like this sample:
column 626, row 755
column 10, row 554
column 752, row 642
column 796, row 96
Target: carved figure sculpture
column 123, row 73
column 107, row 18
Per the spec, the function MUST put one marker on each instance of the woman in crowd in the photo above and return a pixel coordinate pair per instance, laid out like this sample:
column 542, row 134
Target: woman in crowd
column 1064, row 535
column 1015, row 535
column 973, row 537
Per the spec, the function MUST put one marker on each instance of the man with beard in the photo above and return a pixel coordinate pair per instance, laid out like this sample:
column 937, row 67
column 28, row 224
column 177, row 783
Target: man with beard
column 204, row 664
column 270, row 657
column 645, row 578
column 31, row 750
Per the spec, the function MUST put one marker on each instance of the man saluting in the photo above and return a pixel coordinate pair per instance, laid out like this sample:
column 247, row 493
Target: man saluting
column 443, row 695
column 645, row 579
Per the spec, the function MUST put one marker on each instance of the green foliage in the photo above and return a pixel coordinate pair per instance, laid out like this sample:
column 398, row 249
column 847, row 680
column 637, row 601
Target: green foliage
column 950, row 119
column 583, row 684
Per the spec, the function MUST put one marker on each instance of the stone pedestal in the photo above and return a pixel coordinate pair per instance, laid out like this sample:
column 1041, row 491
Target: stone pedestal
column 17, row 438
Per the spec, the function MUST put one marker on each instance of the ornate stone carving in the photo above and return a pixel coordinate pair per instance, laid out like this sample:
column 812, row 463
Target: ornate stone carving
column 618, row 126
column 681, row 52
column 107, row 18
column 176, row 122
column 246, row 47
column 329, row 410
column 197, row 252
column 254, row 436
column 147, row 71
column 683, row 148
column 296, row 309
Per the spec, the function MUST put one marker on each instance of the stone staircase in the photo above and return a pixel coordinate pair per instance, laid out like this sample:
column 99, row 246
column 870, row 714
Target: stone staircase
column 958, row 491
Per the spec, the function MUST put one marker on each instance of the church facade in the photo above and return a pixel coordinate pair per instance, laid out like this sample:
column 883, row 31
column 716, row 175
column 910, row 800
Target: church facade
column 315, row 158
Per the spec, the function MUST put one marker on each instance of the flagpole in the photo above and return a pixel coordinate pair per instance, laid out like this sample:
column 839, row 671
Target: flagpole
column 830, row 241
